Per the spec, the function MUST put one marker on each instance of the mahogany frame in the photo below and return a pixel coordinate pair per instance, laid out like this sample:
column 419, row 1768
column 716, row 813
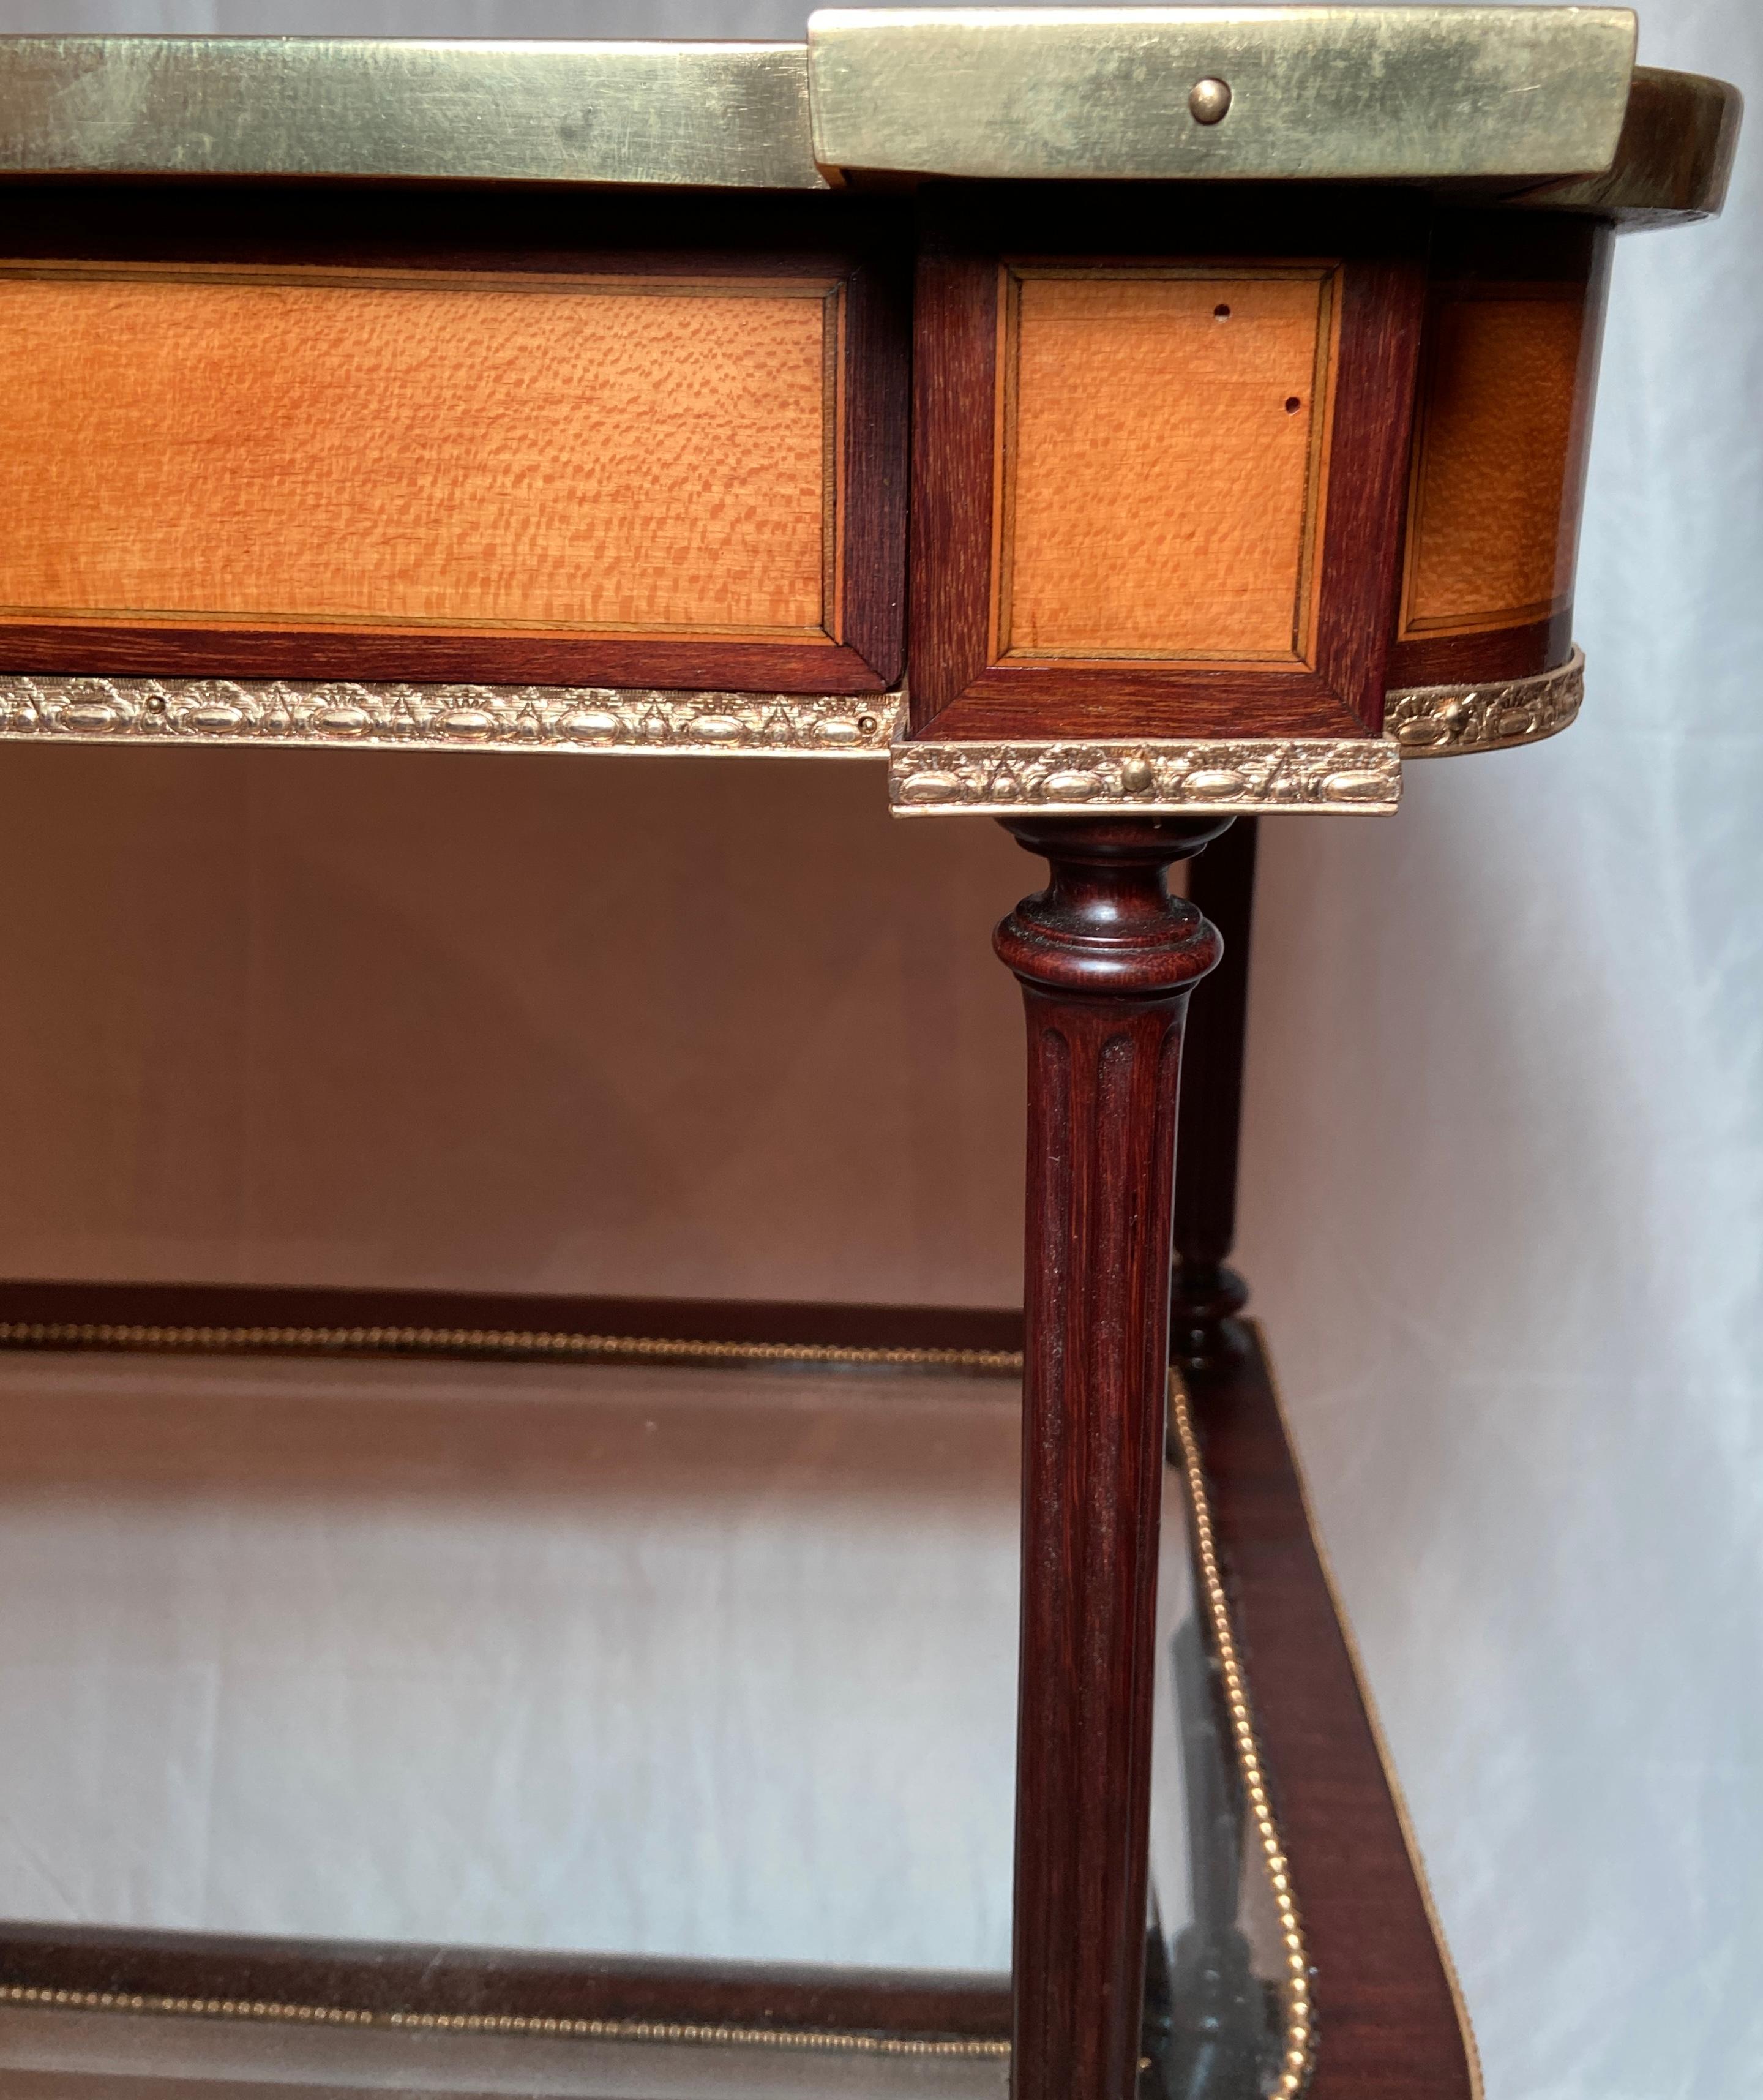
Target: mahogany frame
column 958, row 691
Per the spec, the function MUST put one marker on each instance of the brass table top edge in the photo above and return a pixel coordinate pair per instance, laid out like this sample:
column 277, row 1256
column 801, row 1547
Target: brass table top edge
column 1523, row 107
column 1016, row 776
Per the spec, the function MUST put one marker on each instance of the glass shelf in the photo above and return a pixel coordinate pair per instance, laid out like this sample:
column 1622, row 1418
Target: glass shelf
column 650, row 1675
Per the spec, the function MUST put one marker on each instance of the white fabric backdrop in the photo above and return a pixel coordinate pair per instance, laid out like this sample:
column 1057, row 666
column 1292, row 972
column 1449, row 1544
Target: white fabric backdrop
column 1503, row 1197
column 1503, row 1212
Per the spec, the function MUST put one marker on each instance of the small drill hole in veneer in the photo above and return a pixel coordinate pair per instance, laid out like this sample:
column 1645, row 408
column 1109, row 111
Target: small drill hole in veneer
column 1221, row 313
column 1293, row 404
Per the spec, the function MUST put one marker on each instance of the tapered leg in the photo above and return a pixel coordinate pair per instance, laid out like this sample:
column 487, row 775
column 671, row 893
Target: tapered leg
column 1106, row 959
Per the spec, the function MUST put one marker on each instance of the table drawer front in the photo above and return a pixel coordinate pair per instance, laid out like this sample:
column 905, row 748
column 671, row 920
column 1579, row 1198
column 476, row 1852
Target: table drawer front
column 629, row 475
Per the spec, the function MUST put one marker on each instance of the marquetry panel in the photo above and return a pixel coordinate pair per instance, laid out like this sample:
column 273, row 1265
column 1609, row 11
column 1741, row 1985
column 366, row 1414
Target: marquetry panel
column 1489, row 539
column 1496, row 474
column 1162, row 463
column 1158, row 495
column 629, row 471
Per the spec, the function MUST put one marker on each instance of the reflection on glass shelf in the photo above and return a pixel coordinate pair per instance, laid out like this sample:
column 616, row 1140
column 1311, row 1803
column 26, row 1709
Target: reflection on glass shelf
column 562, row 1659
column 1216, row 2015
column 701, row 1663
column 109, row 2056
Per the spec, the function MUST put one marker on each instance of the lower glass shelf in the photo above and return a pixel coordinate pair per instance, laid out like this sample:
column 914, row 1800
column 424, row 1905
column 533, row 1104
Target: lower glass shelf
column 315, row 1663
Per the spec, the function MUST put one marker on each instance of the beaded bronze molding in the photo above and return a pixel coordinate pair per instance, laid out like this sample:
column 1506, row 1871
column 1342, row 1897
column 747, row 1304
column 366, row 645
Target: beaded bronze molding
column 1438, row 721
column 286, row 711
column 1299, row 2056
column 1353, row 776
column 49, row 1999
column 506, row 1343
column 1357, row 776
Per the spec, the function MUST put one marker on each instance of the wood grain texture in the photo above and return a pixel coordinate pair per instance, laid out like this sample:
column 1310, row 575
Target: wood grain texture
column 1387, row 2025
column 390, row 654
column 856, row 249
column 954, row 412
column 1509, row 371
column 1489, row 542
column 1106, row 960
column 304, row 448
column 960, row 681
column 1162, row 463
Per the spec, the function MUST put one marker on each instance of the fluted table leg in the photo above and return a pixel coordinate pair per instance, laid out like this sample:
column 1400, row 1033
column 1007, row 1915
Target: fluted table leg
column 1106, row 959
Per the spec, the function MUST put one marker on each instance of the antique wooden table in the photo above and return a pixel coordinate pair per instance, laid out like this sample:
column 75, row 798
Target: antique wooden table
column 1114, row 422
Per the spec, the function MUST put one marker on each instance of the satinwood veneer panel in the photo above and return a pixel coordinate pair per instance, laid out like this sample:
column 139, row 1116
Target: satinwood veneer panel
column 1159, row 455
column 297, row 448
column 1488, row 546
column 1125, row 393
column 657, row 466
column 1514, row 313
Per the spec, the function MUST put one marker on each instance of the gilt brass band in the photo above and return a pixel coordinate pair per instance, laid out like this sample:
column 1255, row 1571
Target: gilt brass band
column 449, row 717
column 1158, row 776
column 1363, row 94
column 1148, row 776
column 1437, row 721
column 722, row 116
column 1494, row 103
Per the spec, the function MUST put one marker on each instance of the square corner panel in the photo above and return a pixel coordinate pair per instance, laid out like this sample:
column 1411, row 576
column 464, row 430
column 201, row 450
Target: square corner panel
column 1158, row 495
column 1162, row 468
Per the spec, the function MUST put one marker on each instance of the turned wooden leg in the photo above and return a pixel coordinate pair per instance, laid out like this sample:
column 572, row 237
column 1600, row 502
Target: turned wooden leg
column 1222, row 888
column 1106, row 958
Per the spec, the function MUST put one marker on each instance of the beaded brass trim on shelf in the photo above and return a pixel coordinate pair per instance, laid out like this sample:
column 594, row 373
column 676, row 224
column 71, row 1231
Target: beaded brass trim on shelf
column 1298, row 2053
column 1410, row 1842
column 445, row 717
column 1438, row 721
column 501, row 2023
column 502, row 1341
column 1300, row 2027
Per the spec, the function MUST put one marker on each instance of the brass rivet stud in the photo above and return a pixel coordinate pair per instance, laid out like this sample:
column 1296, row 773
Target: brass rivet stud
column 1208, row 100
